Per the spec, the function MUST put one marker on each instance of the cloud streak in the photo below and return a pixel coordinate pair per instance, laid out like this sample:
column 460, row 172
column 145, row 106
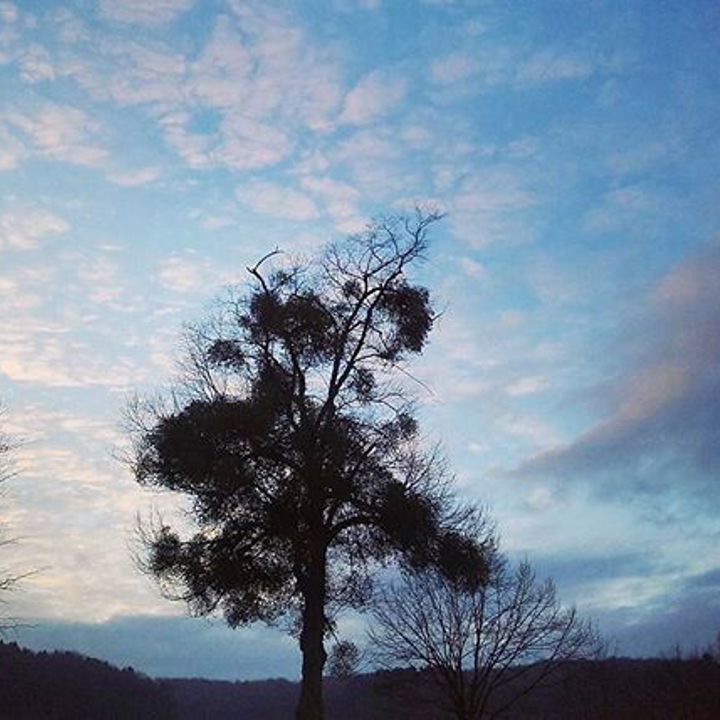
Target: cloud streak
column 663, row 434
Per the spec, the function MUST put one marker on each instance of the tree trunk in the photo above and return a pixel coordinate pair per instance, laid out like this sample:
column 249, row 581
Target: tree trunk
column 310, row 705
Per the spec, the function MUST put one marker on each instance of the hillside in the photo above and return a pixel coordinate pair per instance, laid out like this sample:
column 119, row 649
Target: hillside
column 68, row 686
column 613, row 689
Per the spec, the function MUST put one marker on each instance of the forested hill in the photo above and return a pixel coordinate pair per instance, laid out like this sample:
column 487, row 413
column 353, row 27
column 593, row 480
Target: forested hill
column 68, row 686
column 613, row 689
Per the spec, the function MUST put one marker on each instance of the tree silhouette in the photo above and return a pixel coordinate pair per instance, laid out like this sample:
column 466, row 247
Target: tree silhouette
column 485, row 647
column 8, row 580
column 5, row 448
column 298, row 446
column 344, row 660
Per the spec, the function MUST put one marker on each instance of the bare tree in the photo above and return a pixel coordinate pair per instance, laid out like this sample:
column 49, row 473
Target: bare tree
column 8, row 580
column 485, row 647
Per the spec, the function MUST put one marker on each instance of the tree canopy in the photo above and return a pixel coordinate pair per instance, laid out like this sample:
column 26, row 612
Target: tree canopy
column 299, row 448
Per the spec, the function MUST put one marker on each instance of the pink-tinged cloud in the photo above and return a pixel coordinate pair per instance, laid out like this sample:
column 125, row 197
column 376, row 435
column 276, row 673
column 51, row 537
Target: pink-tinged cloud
column 664, row 430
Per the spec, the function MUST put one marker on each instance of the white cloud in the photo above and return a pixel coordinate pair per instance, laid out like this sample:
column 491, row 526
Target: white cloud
column 35, row 65
column 528, row 386
column 101, row 277
column 248, row 144
column 241, row 143
column 367, row 144
column 61, row 132
column 222, row 77
column 293, row 79
column 512, row 318
column 24, row 228
column 193, row 148
column 131, row 73
column 523, row 147
column 549, row 66
column 493, row 64
column 374, row 161
column 189, row 273
column 267, row 198
column 42, row 356
column 375, row 95
column 156, row 71
column 481, row 197
column 638, row 157
column 71, row 29
column 217, row 222
column 453, row 68
column 506, row 65
column 543, row 499
column 473, row 268
column 487, row 208
column 418, row 137
column 631, row 197
column 54, row 333
column 255, row 84
column 530, row 429
column 340, row 199
column 456, row 367
column 10, row 33
column 256, row 63
column 474, row 27
column 184, row 273
column 12, row 151
column 618, row 208
column 134, row 178
column 313, row 162
column 68, row 478
column 144, row 12
column 8, row 13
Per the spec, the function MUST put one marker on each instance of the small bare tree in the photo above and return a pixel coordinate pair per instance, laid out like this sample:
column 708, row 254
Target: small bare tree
column 8, row 580
column 6, row 446
column 485, row 647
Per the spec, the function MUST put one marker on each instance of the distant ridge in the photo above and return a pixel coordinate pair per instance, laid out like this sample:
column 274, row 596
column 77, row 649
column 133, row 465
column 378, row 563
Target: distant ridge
column 70, row 686
column 611, row 689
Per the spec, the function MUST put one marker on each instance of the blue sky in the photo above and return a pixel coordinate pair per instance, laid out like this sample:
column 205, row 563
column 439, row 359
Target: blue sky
column 150, row 151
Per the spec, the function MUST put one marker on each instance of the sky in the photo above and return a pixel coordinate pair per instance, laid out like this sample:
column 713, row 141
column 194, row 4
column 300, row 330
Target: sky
column 150, row 151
